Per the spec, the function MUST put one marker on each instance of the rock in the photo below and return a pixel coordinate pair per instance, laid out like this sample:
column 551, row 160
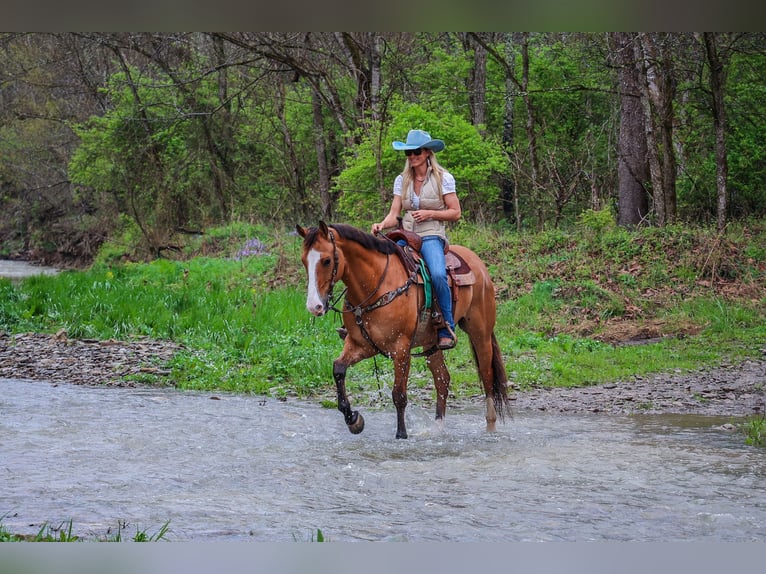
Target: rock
column 733, row 390
column 88, row 362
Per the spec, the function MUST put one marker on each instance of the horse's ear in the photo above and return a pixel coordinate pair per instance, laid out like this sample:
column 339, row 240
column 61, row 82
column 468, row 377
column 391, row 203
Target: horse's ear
column 323, row 228
column 301, row 231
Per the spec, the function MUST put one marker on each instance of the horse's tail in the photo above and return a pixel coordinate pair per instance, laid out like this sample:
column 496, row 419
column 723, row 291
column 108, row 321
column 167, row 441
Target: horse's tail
column 499, row 381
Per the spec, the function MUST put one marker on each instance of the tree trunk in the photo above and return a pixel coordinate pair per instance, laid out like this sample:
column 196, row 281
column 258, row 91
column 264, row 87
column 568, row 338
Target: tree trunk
column 478, row 86
column 509, row 190
column 658, row 87
column 632, row 167
column 507, row 59
column 321, row 149
column 376, row 80
column 534, row 162
column 717, row 83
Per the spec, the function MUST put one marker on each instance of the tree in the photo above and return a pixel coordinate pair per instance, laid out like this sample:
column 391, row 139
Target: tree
column 716, row 59
column 632, row 167
column 477, row 81
column 505, row 57
column 186, row 130
column 658, row 90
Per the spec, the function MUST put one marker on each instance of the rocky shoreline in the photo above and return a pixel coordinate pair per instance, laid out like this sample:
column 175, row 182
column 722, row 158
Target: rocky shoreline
column 728, row 390
column 59, row 359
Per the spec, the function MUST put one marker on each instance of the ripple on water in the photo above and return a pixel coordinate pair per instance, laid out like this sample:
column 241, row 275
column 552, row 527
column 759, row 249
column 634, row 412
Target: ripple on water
column 255, row 468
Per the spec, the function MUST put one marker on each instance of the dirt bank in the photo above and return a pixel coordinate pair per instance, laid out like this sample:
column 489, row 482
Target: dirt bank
column 728, row 390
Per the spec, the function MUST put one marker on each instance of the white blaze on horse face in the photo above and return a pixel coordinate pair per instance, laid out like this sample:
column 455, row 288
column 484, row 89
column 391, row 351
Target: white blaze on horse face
column 314, row 302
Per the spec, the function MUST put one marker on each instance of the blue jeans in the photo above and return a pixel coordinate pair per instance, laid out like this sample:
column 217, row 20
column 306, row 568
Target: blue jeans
column 432, row 251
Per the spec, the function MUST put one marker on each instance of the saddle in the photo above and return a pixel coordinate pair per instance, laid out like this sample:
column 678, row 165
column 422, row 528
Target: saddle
column 459, row 273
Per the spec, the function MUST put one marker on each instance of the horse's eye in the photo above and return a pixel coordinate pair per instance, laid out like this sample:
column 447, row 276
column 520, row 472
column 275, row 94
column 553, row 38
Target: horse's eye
column 326, row 262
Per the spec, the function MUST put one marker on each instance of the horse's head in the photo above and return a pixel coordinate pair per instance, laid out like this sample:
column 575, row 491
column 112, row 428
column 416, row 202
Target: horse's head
column 321, row 259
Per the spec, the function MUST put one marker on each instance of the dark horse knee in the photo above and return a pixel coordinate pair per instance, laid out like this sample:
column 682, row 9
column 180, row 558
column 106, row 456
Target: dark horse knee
column 354, row 420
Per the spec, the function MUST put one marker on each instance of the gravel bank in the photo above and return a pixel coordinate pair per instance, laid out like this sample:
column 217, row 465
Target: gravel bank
column 728, row 390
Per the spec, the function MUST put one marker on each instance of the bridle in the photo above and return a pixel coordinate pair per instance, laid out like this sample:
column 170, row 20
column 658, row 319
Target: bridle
column 335, row 264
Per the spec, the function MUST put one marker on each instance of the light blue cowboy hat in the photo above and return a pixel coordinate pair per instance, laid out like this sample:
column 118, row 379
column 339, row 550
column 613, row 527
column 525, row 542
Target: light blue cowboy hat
column 417, row 139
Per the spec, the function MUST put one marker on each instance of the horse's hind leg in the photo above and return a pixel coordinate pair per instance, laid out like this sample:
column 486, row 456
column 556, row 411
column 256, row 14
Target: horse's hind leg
column 481, row 345
column 399, row 394
column 441, row 382
column 483, row 358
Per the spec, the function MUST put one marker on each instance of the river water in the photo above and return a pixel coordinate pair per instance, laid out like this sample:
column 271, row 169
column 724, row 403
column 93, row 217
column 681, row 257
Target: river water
column 232, row 467
column 17, row 270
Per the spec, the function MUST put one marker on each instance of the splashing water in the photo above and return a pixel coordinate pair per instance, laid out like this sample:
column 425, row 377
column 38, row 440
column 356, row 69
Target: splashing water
column 246, row 467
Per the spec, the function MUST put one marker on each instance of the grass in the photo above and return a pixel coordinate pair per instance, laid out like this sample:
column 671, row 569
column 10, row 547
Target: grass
column 566, row 299
column 754, row 430
column 64, row 533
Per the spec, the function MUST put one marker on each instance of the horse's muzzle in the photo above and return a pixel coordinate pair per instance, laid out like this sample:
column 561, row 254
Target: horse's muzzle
column 317, row 307
column 317, row 310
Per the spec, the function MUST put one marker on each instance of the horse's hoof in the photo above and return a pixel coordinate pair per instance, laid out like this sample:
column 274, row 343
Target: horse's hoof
column 402, row 434
column 357, row 423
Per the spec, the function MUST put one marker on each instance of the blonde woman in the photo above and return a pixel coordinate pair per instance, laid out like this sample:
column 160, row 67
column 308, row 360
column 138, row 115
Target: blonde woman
column 426, row 193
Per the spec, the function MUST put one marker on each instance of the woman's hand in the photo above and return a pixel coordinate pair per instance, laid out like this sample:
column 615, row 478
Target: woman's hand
column 422, row 215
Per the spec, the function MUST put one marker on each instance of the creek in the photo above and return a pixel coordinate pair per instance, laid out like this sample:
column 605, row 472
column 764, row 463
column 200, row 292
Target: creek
column 17, row 270
column 233, row 467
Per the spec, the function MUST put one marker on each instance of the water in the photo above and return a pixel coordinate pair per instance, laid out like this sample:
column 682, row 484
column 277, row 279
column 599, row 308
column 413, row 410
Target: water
column 17, row 270
column 230, row 467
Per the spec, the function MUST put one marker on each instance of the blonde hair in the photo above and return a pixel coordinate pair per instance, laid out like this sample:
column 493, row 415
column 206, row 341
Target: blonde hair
column 433, row 164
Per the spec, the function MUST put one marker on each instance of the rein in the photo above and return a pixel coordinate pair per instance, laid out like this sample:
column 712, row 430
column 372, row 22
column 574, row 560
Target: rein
column 335, row 259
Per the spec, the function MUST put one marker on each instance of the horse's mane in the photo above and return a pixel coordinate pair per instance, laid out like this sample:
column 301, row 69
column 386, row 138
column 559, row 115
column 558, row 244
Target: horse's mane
column 351, row 233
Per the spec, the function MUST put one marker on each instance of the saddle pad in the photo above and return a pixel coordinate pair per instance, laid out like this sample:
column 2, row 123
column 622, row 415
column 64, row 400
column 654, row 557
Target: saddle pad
column 457, row 269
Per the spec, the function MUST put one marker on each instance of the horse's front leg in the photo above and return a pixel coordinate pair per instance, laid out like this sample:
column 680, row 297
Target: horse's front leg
column 399, row 394
column 354, row 420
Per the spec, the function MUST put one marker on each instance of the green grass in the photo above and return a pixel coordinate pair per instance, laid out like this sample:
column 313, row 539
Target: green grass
column 755, row 431
column 242, row 321
column 64, row 533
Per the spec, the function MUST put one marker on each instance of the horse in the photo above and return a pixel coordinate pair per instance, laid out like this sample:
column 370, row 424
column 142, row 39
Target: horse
column 383, row 303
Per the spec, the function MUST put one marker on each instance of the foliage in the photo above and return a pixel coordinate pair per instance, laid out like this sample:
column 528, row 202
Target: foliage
column 47, row 533
column 755, row 431
column 745, row 137
column 187, row 131
column 566, row 299
column 140, row 535
column 475, row 180
column 141, row 153
column 64, row 533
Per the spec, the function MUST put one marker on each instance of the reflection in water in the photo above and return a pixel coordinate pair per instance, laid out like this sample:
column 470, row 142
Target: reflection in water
column 259, row 469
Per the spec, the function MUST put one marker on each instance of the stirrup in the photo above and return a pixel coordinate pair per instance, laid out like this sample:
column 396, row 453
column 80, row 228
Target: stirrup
column 446, row 343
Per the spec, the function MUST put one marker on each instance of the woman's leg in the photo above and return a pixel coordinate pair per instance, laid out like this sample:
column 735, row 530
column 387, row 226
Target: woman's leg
column 433, row 252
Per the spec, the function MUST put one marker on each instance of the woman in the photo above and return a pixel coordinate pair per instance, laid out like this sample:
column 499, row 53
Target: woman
column 425, row 191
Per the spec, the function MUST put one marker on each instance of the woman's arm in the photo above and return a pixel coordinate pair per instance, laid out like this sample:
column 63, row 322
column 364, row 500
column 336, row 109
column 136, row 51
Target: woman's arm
column 391, row 219
column 451, row 213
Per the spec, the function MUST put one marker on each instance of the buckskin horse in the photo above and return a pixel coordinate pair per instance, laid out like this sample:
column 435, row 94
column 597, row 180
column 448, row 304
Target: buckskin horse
column 383, row 306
